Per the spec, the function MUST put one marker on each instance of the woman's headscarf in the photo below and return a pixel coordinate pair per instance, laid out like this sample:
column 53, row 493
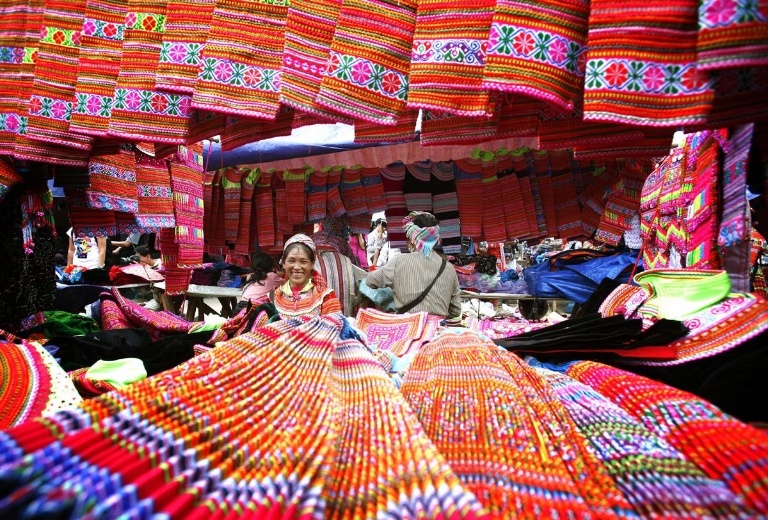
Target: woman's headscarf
column 300, row 238
column 423, row 238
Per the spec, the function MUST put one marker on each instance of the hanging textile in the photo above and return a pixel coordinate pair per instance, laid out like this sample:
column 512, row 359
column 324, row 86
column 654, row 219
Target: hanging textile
column 187, row 185
column 641, row 65
column 494, row 227
column 416, row 188
column 443, row 129
column 375, row 198
column 240, row 131
column 265, row 209
column 53, row 89
column 283, row 228
column 538, row 49
column 113, row 182
column 522, row 162
column 544, row 178
column 515, row 220
column 448, row 57
column 393, row 179
column 295, row 187
column 140, row 111
column 731, row 35
column 541, row 219
column 244, row 244
column 741, row 96
column 469, row 192
column 98, row 66
column 622, row 204
column 567, row 209
column 367, row 71
column 702, row 222
column 403, row 130
column 308, row 36
column 155, row 197
column 518, row 117
column 231, row 185
column 445, row 206
column 204, row 125
column 18, row 32
column 181, row 53
column 87, row 222
column 240, row 72
column 334, row 203
column 8, row 179
column 654, row 143
column 176, row 278
column 316, row 195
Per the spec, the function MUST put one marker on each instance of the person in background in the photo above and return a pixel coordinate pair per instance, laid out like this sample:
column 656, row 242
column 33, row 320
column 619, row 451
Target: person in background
column 126, row 247
column 359, row 249
column 86, row 252
column 421, row 280
column 379, row 252
column 262, row 280
column 145, row 257
column 305, row 292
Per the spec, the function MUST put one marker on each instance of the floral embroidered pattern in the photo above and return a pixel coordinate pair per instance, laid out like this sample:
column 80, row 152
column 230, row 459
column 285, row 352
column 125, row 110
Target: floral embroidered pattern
column 722, row 13
column 154, row 191
column 30, row 55
column 50, row 108
column 181, row 53
column 365, row 73
column 228, row 72
column 648, row 78
column 150, row 102
column 11, row 55
column 467, row 52
column 149, row 22
column 111, row 171
column 112, row 203
column 56, row 36
column 93, row 104
column 13, row 123
column 537, row 45
column 102, row 29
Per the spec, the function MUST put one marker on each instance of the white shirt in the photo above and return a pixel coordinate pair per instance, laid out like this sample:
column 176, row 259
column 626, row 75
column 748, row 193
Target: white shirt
column 86, row 251
column 374, row 243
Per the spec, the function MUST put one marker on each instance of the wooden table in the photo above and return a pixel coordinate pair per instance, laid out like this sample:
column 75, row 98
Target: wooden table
column 228, row 297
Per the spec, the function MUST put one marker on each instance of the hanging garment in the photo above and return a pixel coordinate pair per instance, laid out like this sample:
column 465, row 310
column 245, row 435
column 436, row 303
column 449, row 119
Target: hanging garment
column 375, row 198
column 515, row 220
column 53, row 89
column 445, row 205
column 538, row 204
column 448, row 58
column 538, row 49
column 403, row 130
column 181, row 53
column 141, row 111
column 494, row 228
column 702, row 196
column 567, row 209
column 18, row 32
column 416, row 188
column 295, row 190
column 113, row 182
column 641, row 65
column 731, row 36
column 240, row 131
column 654, row 143
column 8, row 179
column 469, row 192
column 187, row 185
column 87, row 222
column 232, row 185
column 155, row 197
column 245, row 244
column 334, row 203
column 518, row 117
column 316, row 195
column 308, row 36
column 438, row 129
column 240, row 72
column 367, row 70
column 98, row 66
column 544, row 179
column 265, row 218
column 522, row 162
column 393, row 180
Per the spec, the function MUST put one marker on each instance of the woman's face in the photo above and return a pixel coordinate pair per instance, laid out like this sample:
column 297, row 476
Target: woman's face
column 298, row 267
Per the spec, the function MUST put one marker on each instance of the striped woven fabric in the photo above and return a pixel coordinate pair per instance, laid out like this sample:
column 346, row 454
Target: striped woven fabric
column 26, row 383
column 140, row 111
column 283, row 228
column 741, row 96
column 231, row 186
column 186, row 168
column 403, row 130
column 265, row 209
column 702, row 222
column 334, row 204
column 567, row 209
column 522, row 162
column 375, row 198
column 308, row 36
column 494, row 227
column 654, row 143
column 448, row 57
column 98, row 66
column 240, row 131
column 622, row 204
column 515, row 219
column 336, row 270
column 204, row 125
column 393, row 179
column 87, row 222
column 113, row 182
column 8, row 179
column 213, row 229
column 527, row 479
column 15, row 35
column 732, row 35
column 316, row 195
column 541, row 219
column 597, row 415
column 722, row 447
column 416, row 188
column 301, row 119
column 641, row 65
column 518, row 117
column 53, row 89
column 240, row 73
column 469, row 191
column 367, row 72
column 544, row 179
column 734, row 229
column 181, row 55
column 538, row 49
column 153, row 185
column 445, row 206
column 296, row 187
column 443, row 129
column 244, row 244
column 207, row 201
column 176, row 278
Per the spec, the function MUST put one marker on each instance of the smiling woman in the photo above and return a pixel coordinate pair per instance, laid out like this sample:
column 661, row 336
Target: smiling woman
column 305, row 292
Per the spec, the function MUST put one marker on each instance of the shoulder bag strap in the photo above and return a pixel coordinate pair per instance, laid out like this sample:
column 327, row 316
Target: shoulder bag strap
column 420, row 298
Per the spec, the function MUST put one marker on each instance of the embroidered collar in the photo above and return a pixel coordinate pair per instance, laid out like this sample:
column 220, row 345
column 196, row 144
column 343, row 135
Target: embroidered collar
column 286, row 288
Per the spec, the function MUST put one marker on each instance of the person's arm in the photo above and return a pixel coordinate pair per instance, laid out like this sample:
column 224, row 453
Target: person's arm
column 121, row 243
column 102, row 243
column 71, row 251
column 361, row 242
column 371, row 247
column 454, row 309
column 383, row 277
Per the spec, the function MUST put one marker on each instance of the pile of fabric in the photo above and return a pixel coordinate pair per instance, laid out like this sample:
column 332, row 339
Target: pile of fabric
column 278, row 422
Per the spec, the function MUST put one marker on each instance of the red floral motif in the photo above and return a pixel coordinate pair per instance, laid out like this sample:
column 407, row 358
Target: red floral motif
column 694, row 79
column 110, row 30
column 159, row 103
column 252, row 77
column 185, row 105
column 59, row 37
column 149, row 23
column 524, row 43
column 35, row 105
column 333, row 64
column 616, row 74
column 721, row 11
column 33, row 57
column 653, row 78
column 391, row 83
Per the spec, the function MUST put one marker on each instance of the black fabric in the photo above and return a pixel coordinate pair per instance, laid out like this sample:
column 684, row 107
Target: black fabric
column 596, row 334
column 593, row 303
column 420, row 298
column 99, row 276
column 75, row 298
column 109, row 345
column 12, row 253
column 735, row 380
